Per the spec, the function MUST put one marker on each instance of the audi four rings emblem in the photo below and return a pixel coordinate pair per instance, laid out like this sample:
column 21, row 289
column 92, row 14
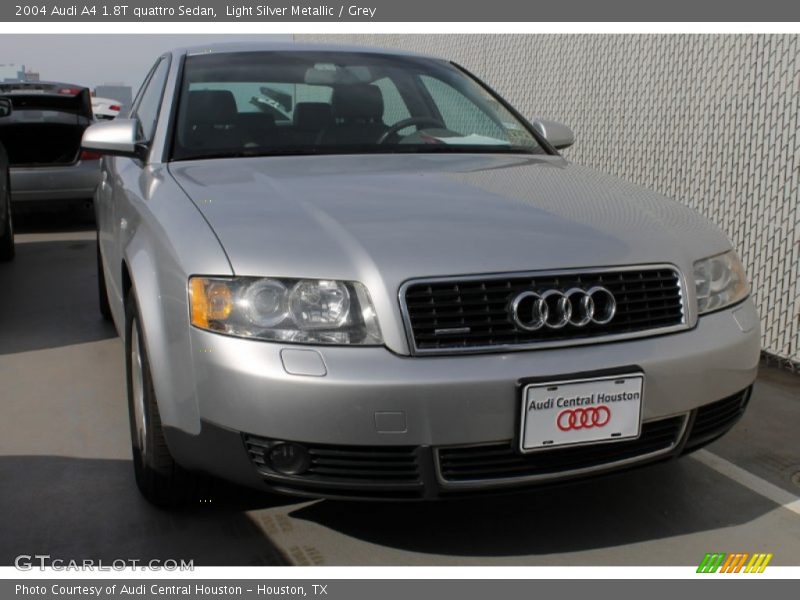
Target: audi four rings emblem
column 583, row 418
column 555, row 309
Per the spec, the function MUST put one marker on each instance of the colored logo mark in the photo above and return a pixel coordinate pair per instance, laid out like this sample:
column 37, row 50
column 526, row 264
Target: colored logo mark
column 738, row 562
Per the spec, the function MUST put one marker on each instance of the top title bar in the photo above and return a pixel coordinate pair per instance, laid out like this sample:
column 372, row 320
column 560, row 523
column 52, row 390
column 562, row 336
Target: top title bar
column 405, row 11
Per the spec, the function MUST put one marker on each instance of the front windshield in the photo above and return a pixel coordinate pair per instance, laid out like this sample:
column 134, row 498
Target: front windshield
column 272, row 103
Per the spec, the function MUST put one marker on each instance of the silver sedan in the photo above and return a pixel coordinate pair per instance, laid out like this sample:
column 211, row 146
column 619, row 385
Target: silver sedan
column 355, row 273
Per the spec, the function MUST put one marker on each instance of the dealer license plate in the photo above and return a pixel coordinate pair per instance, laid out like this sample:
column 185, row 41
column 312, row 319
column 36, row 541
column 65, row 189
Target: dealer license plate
column 581, row 411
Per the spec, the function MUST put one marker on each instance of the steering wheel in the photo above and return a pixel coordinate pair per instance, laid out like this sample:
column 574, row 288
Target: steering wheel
column 418, row 121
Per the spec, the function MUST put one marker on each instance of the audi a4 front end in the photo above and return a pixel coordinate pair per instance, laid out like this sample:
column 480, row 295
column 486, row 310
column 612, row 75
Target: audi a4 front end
column 354, row 273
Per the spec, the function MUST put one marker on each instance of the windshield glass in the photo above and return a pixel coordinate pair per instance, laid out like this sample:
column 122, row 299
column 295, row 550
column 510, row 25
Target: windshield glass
column 265, row 103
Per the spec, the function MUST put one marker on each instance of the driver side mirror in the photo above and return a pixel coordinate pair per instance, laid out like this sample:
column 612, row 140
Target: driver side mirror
column 5, row 107
column 559, row 135
column 116, row 138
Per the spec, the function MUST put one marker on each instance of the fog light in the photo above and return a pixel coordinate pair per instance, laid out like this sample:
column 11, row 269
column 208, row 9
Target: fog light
column 289, row 459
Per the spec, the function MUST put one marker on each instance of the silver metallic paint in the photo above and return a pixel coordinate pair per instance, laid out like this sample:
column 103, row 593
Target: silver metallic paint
column 77, row 181
column 559, row 135
column 114, row 137
column 463, row 399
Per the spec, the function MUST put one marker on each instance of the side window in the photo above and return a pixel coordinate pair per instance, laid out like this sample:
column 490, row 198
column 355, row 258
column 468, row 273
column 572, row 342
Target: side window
column 394, row 107
column 459, row 113
column 147, row 109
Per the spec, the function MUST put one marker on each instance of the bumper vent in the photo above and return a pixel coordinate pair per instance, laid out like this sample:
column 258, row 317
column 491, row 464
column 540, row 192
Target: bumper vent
column 469, row 314
column 715, row 419
column 371, row 470
column 500, row 461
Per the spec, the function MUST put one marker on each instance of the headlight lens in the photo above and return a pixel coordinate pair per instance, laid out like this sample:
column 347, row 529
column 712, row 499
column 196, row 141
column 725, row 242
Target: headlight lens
column 309, row 311
column 319, row 304
column 264, row 302
column 720, row 281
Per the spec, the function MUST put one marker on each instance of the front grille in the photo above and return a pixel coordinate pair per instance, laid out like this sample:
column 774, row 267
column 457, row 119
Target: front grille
column 473, row 313
column 713, row 420
column 376, row 467
column 501, row 461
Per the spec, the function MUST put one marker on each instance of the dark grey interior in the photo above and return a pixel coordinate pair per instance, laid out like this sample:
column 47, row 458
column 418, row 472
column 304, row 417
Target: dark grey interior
column 41, row 144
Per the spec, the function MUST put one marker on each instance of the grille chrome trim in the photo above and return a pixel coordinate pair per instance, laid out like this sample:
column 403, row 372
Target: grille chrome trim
column 688, row 315
column 448, row 484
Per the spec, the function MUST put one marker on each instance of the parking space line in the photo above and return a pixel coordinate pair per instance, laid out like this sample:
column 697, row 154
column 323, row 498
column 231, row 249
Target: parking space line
column 752, row 482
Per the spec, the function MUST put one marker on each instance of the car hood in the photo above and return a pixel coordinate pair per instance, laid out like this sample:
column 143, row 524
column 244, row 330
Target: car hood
column 396, row 217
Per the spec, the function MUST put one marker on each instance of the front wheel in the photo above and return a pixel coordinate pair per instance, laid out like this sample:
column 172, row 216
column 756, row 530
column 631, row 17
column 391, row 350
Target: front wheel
column 159, row 478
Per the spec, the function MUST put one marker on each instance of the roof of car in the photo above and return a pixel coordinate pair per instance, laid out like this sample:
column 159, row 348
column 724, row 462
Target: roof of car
column 226, row 47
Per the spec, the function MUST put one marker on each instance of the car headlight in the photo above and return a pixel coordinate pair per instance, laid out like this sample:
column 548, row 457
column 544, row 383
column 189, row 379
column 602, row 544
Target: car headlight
column 720, row 281
column 307, row 311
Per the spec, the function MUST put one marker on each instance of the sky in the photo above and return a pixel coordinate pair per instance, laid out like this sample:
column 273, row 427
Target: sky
column 93, row 60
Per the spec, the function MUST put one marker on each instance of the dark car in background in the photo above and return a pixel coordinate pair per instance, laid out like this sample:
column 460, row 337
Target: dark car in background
column 6, row 225
column 42, row 138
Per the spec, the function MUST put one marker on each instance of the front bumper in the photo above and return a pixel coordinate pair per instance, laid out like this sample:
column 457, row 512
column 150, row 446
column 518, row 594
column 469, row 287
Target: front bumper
column 371, row 405
column 423, row 472
column 69, row 182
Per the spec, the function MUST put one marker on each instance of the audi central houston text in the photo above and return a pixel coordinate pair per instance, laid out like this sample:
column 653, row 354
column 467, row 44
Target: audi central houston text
column 355, row 273
column 154, row 589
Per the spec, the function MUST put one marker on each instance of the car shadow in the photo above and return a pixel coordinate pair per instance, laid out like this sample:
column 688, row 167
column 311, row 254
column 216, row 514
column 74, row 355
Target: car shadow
column 666, row 500
column 75, row 509
column 49, row 296
column 37, row 219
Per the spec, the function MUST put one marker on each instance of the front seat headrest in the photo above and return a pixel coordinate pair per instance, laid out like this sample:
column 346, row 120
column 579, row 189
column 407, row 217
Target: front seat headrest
column 211, row 106
column 357, row 101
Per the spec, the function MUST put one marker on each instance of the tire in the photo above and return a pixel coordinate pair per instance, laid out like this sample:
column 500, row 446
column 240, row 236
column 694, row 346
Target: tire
column 159, row 478
column 7, row 237
column 102, row 291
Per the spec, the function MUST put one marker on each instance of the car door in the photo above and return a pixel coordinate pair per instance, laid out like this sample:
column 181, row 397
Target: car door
column 5, row 192
column 121, row 189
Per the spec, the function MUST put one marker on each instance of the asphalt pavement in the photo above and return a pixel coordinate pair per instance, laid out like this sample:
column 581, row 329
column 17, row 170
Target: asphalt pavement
column 68, row 489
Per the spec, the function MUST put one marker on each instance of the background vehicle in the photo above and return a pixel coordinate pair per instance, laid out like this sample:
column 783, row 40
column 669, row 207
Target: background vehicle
column 364, row 300
column 105, row 108
column 42, row 137
column 6, row 221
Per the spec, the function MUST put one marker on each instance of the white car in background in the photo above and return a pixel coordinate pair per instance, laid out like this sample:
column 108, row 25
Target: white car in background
column 106, row 108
